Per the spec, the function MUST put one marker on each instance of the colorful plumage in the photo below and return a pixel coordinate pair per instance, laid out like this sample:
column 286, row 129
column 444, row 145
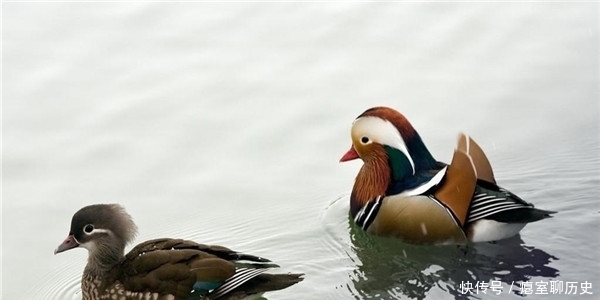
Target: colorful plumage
column 162, row 269
column 402, row 191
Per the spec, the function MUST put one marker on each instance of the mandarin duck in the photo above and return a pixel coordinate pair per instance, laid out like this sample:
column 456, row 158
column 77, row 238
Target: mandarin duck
column 402, row 191
column 162, row 269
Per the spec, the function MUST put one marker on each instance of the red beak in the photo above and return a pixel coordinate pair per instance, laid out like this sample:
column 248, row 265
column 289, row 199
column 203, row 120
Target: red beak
column 69, row 243
column 350, row 155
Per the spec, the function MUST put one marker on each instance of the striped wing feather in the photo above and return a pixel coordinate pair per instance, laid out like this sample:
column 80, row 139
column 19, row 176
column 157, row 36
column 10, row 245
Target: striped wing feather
column 491, row 201
column 495, row 203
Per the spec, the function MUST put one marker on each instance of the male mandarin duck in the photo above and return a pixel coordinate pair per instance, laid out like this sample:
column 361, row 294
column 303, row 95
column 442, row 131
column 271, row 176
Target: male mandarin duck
column 403, row 192
column 162, row 269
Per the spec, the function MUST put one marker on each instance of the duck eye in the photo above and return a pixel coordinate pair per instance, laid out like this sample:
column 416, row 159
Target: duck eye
column 364, row 139
column 88, row 228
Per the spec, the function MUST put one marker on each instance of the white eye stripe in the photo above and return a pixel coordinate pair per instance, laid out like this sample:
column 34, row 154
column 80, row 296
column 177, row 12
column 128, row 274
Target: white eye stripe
column 380, row 131
column 97, row 230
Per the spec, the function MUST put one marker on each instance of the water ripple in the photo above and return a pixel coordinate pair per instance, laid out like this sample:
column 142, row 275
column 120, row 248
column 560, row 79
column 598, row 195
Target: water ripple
column 62, row 284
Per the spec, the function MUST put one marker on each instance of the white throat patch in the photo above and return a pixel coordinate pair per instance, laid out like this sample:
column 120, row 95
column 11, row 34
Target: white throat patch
column 382, row 132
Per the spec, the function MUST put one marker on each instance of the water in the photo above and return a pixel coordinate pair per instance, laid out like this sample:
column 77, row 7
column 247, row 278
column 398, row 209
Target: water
column 224, row 123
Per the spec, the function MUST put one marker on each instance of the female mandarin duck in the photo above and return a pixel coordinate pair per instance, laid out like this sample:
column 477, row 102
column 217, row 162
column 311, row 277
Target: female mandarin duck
column 162, row 269
column 402, row 191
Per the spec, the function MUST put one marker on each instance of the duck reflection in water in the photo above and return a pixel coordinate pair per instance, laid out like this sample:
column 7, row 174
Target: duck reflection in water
column 390, row 269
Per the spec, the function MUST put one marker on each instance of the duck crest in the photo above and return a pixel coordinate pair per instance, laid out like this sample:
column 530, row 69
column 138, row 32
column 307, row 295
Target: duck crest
column 396, row 118
column 419, row 153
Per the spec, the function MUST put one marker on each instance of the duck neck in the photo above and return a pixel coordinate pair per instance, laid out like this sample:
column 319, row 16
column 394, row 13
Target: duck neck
column 372, row 180
column 420, row 154
column 103, row 259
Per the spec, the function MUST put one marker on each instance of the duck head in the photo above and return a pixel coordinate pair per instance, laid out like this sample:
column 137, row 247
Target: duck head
column 391, row 149
column 104, row 230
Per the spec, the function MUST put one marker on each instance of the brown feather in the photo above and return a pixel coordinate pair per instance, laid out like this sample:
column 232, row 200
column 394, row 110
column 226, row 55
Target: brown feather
column 458, row 186
column 373, row 178
column 480, row 160
column 172, row 271
column 416, row 219
column 174, row 265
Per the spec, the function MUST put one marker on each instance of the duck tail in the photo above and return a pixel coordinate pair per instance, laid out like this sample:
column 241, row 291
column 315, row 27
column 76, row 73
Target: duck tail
column 261, row 284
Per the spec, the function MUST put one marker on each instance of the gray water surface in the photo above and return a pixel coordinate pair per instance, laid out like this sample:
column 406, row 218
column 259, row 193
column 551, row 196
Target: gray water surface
column 224, row 123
